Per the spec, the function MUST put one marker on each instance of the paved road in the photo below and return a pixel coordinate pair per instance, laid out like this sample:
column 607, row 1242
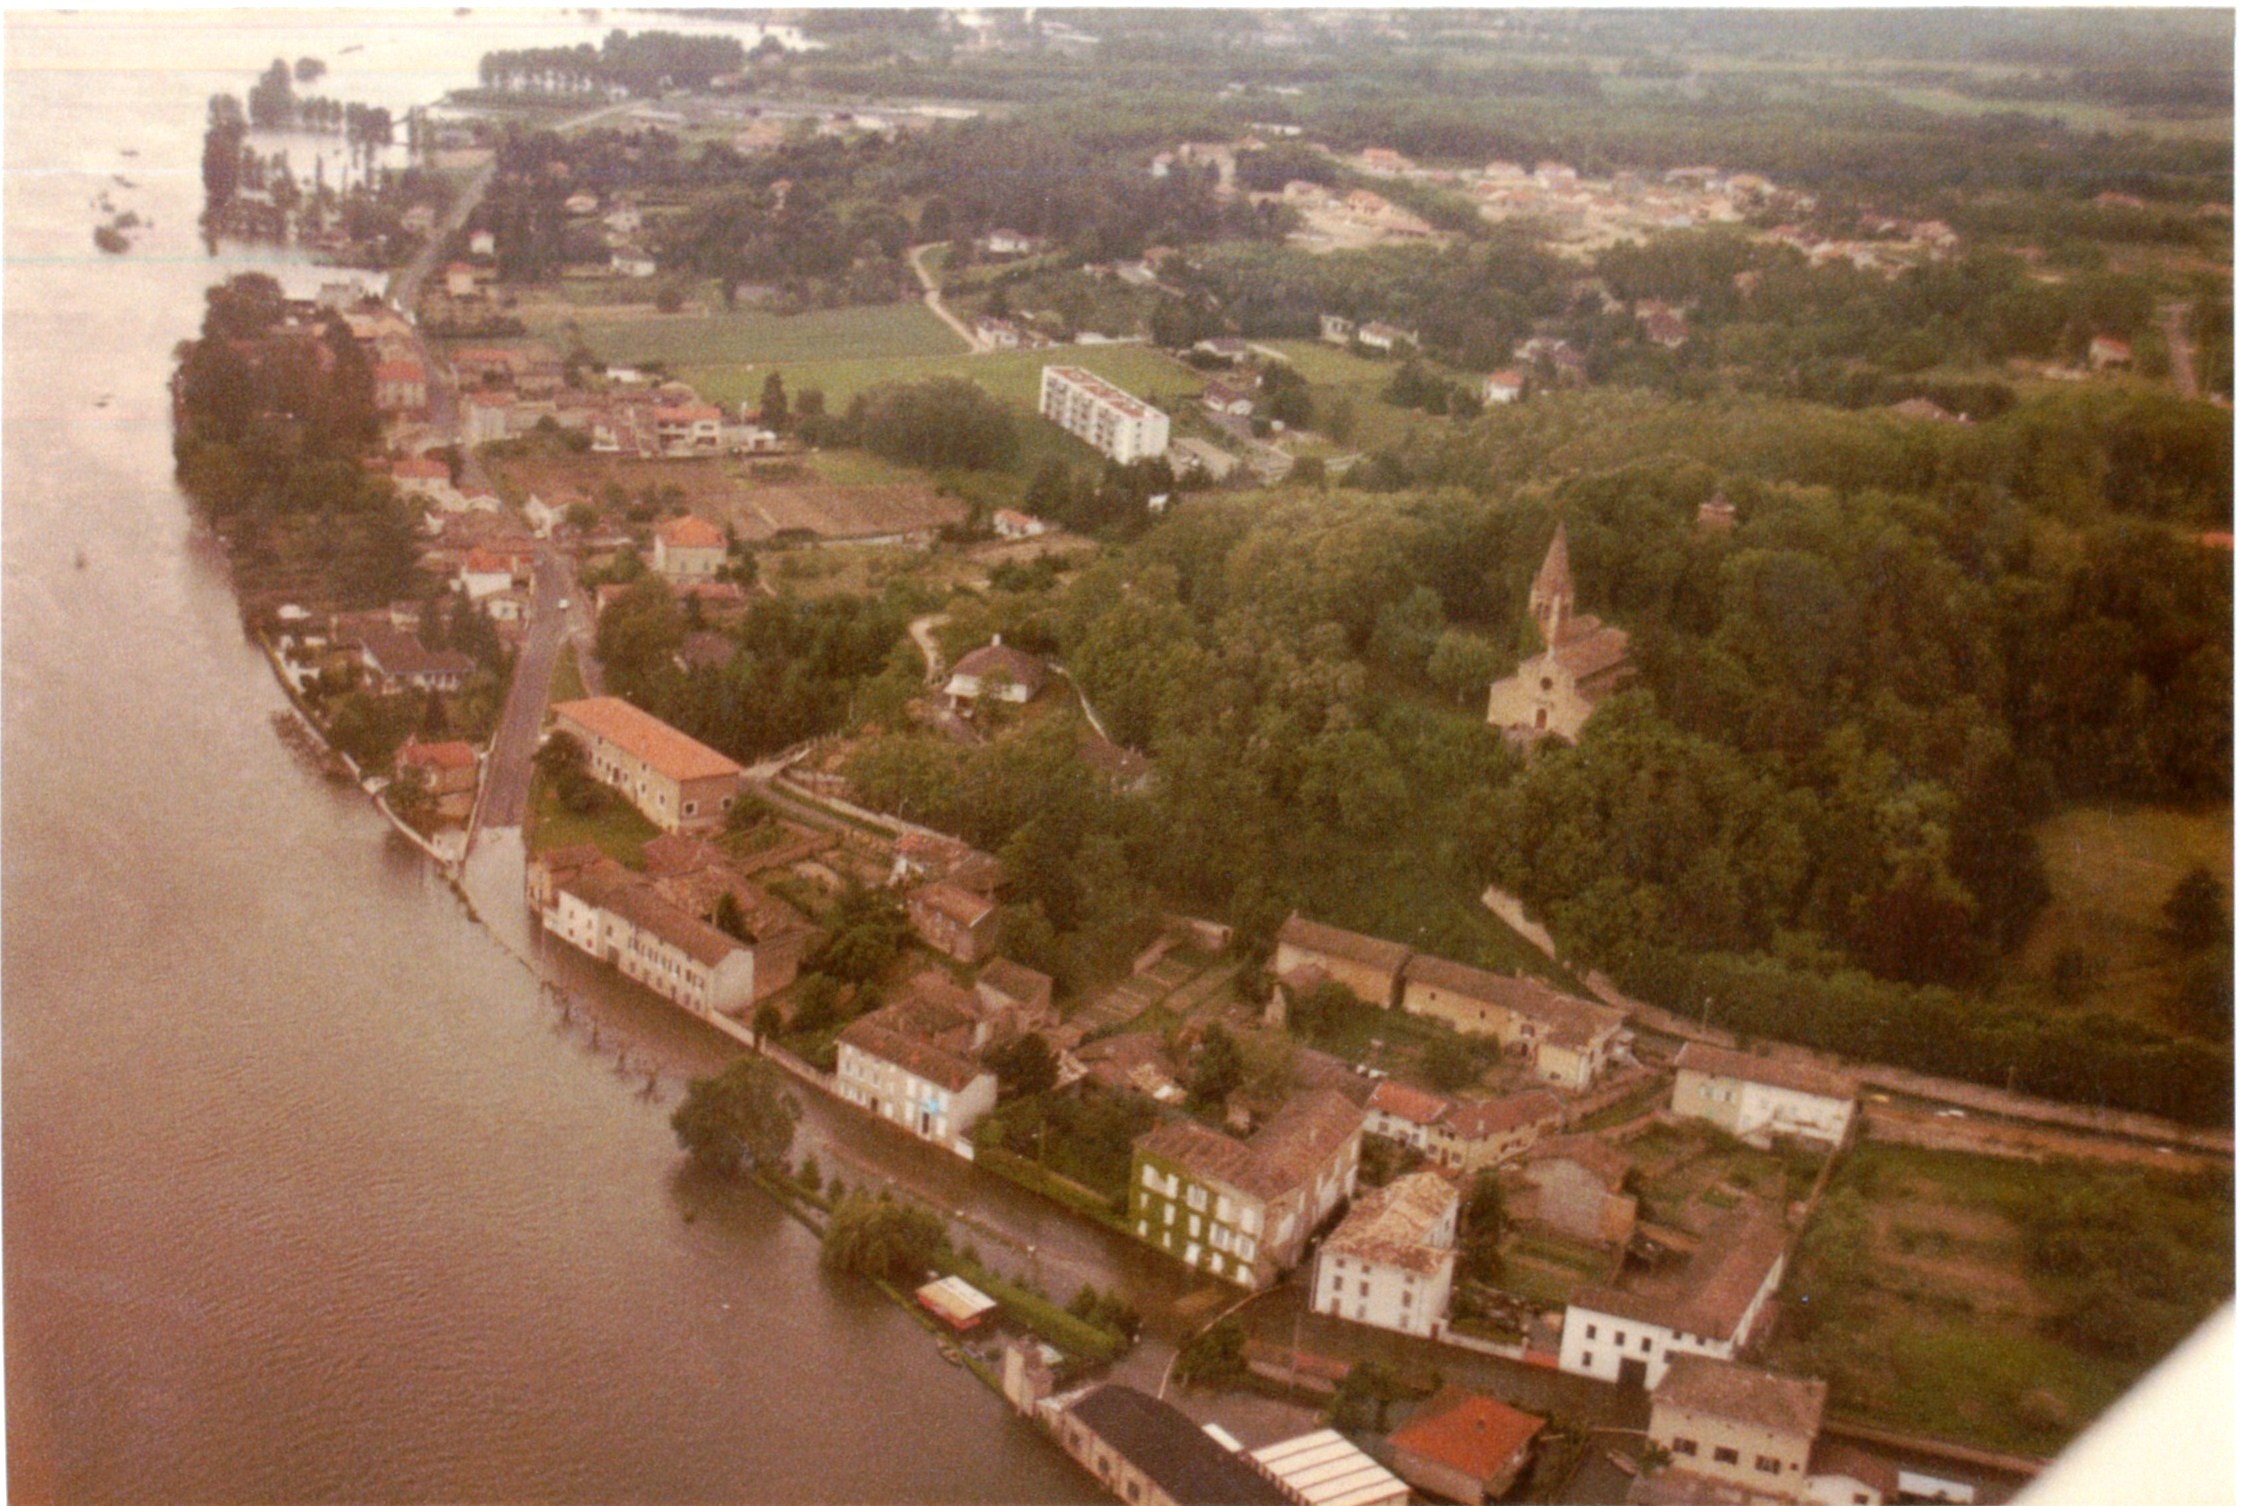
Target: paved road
column 2182, row 351
column 934, row 297
column 505, row 799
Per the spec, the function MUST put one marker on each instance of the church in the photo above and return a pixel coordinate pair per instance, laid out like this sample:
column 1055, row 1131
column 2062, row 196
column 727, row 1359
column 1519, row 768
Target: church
column 1581, row 662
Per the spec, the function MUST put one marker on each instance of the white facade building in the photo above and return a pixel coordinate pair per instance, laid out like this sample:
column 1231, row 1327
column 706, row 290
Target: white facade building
column 1391, row 1262
column 1629, row 1337
column 1755, row 1098
column 1093, row 410
column 611, row 914
column 930, row 1091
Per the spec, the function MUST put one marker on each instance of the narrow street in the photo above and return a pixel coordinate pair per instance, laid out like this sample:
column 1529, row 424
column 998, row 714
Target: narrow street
column 934, row 297
column 505, row 797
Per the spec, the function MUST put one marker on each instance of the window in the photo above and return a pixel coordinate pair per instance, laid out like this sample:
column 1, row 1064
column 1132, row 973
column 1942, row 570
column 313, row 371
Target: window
column 1767, row 1464
column 1197, row 1197
column 1645, row 1343
column 1723, row 1456
column 1151, row 1176
column 1365, row 1288
column 692, row 807
column 1591, row 1330
column 1685, row 1446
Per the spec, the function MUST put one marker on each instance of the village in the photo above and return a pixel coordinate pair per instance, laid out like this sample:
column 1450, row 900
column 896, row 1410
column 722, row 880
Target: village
column 1516, row 1176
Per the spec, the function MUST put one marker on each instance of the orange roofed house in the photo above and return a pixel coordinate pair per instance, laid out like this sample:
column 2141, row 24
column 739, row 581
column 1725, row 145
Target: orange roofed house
column 1464, row 1447
column 679, row 784
column 688, row 548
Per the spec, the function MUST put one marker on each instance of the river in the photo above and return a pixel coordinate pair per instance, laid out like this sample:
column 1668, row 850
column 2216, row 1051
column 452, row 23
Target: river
column 310, row 1191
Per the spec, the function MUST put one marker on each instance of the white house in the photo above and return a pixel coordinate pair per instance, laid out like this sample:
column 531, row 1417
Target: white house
column 1006, row 673
column 1007, row 243
column 1011, row 523
column 1755, row 1098
column 921, row 1084
column 1713, row 1307
column 614, row 915
column 688, row 548
column 1391, row 1262
column 482, row 243
column 1503, row 387
column 1405, row 1115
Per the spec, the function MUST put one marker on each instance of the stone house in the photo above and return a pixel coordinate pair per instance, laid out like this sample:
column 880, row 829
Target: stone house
column 1474, row 1136
column 1734, row 1426
column 952, row 920
column 679, row 784
column 688, row 548
column 1405, row 1115
column 1368, row 967
column 996, row 670
column 1567, row 1041
column 607, row 911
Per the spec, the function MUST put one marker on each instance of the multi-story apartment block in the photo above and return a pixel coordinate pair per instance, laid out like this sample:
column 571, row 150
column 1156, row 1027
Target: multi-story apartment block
column 1093, row 410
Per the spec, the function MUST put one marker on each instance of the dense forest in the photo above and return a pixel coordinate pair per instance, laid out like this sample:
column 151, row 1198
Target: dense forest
column 1814, row 809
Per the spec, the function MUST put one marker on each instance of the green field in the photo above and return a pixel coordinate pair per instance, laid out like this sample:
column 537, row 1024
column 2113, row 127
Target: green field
column 635, row 333
column 1332, row 373
column 2111, row 870
column 1998, row 1302
column 615, row 828
column 1014, row 376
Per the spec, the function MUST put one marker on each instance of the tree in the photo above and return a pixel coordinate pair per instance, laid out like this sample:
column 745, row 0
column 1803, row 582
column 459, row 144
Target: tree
column 1483, row 1222
column 1024, row 1066
column 1463, row 665
column 2196, row 911
column 1214, row 1356
column 731, row 919
column 1360, row 1403
column 1217, row 1068
column 742, row 1113
column 882, row 1239
column 767, row 1021
column 1451, row 1064
column 410, row 798
column 866, row 929
column 773, row 410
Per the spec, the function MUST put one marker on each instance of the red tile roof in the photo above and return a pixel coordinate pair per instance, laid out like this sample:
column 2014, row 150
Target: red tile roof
column 1489, row 1117
column 449, row 755
column 691, row 532
column 1473, row 1434
column 1404, row 1102
column 648, row 739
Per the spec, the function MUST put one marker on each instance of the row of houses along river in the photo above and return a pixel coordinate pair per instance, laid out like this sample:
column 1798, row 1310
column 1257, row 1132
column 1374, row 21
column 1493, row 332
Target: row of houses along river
column 311, row 1189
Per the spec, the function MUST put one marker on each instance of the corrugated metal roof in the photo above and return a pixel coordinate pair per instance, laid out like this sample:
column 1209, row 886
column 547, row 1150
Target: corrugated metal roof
column 1323, row 1469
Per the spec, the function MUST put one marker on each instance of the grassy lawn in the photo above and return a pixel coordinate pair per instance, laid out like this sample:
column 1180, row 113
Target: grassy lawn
column 2111, row 870
column 637, row 333
column 1332, row 372
column 1998, row 1302
column 1015, row 376
column 863, row 570
column 615, row 828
